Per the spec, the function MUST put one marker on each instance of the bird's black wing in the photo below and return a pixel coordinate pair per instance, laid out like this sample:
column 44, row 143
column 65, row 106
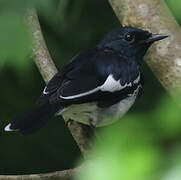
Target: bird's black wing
column 57, row 79
column 87, row 77
column 74, row 78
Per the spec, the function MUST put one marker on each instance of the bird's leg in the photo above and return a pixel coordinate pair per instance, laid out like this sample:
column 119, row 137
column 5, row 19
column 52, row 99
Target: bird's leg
column 91, row 124
column 68, row 121
column 93, row 127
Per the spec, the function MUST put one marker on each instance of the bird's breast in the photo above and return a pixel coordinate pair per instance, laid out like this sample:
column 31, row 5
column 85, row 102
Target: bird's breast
column 91, row 114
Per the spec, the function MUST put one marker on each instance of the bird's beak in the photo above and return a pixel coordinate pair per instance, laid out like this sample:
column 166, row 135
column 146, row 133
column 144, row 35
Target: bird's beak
column 156, row 37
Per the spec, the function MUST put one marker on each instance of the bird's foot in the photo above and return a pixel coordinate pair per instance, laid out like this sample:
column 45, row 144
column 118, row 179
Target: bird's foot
column 93, row 128
column 68, row 121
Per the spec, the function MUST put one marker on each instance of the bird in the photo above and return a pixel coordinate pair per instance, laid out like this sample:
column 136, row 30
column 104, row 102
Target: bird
column 97, row 86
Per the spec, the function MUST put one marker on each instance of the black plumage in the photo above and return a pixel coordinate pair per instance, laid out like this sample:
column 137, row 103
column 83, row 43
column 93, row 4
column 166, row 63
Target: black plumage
column 105, row 75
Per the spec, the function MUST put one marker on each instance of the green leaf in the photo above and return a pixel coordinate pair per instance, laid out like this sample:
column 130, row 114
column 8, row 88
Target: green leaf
column 175, row 7
column 15, row 39
column 167, row 116
column 126, row 152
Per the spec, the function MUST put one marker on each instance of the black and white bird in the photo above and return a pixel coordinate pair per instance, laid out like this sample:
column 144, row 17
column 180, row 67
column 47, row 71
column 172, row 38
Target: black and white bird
column 97, row 86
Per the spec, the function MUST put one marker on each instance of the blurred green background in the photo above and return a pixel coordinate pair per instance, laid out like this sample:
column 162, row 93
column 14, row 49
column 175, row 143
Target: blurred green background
column 68, row 27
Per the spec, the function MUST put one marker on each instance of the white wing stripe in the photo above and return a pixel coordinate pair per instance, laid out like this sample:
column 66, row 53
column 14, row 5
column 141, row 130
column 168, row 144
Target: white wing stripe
column 82, row 94
column 110, row 85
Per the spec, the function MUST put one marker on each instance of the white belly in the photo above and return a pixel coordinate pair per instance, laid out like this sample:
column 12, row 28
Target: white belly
column 89, row 112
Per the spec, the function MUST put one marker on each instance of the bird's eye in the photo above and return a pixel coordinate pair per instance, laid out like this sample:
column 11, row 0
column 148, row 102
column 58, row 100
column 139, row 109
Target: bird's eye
column 129, row 37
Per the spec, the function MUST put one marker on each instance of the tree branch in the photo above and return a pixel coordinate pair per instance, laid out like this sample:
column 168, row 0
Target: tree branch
column 41, row 54
column 42, row 58
column 164, row 58
column 58, row 175
column 81, row 133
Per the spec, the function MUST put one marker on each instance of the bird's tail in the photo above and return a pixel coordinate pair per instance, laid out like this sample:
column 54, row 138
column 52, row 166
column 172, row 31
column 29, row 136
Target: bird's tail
column 32, row 120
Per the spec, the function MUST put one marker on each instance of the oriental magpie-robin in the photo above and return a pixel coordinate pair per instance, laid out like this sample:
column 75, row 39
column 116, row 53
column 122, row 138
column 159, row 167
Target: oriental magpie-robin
column 97, row 86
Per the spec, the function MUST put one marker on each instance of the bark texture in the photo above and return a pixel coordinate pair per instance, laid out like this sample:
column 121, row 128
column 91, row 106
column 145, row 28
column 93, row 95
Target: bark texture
column 42, row 58
column 164, row 57
column 41, row 54
column 58, row 175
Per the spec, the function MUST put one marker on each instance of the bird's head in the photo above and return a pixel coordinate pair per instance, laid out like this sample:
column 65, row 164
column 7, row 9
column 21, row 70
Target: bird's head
column 130, row 41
